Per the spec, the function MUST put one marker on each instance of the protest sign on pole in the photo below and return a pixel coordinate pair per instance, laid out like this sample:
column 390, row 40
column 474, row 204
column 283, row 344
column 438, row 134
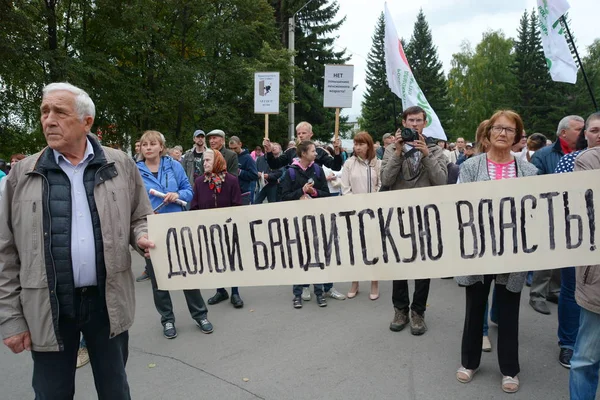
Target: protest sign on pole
column 522, row 224
column 266, row 95
column 558, row 54
column 338, row 89
column 402, row 81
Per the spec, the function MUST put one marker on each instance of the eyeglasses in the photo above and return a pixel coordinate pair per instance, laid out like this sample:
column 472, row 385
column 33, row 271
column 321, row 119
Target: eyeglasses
column 498, row 129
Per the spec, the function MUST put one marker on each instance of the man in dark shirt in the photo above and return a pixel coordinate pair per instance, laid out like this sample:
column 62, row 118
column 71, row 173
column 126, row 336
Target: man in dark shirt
column 193, row 159
column 304, row 132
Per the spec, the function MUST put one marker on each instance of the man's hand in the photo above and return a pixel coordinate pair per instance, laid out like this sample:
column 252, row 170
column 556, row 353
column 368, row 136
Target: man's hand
column 331, row 177
column 145, row 244
column 421, row 145
column 171, row 197
column 337, row 146
column 19, row 342
column 265, row 176
column 399, row 143
column 267, row 145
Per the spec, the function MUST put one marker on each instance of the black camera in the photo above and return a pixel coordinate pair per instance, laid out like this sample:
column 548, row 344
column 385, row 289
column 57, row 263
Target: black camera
column 409, row 135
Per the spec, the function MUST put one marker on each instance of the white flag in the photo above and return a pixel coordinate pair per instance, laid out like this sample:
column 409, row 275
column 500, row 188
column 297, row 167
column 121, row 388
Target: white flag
column 402, row 81
column 558, row 55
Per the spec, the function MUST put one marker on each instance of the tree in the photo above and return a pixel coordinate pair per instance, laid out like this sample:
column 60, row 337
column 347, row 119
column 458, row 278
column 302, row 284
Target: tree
column 379, row 114
column 427, row 68
column 171, row 65
column 314, row 44
column 538, row 100
column 480, row 82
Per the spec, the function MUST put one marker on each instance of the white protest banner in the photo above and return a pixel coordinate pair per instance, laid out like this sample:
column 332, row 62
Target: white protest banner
column 558, row 54
column 402, row 81
column 522, row 224
column 339, row 84
column 266, row 93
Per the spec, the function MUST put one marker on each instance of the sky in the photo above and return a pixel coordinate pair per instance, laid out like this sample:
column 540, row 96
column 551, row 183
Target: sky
column 451, row 22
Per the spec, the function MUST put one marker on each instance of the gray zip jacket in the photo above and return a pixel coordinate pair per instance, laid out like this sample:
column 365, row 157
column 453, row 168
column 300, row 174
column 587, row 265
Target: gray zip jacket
column 475, row 170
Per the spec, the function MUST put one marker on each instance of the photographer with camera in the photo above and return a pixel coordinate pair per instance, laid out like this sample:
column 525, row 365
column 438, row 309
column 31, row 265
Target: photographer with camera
column 413, row 161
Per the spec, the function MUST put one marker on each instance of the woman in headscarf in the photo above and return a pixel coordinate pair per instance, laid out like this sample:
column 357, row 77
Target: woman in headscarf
column 217, row 188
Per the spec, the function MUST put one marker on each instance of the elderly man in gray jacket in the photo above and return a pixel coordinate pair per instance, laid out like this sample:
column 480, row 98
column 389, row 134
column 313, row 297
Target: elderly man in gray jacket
column 406, row 166
column 585, row 364
column 68, row 216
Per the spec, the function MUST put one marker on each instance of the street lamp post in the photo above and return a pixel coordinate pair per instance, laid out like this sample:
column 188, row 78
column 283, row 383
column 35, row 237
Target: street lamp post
column 292, row 48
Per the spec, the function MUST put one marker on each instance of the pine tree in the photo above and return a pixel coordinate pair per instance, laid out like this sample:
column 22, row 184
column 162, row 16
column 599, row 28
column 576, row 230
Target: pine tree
column 427, row 68
column 314, row 44
column 545, row 105
column 379, row 101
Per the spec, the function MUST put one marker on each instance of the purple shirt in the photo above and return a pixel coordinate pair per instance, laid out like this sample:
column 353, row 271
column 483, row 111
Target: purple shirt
column 205, row 198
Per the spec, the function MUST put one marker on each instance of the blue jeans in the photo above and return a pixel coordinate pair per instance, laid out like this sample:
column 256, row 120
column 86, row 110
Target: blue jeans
column 298, row 289
column 568, row 309
column 54, row 371
column 326, row 286
column 583, row 379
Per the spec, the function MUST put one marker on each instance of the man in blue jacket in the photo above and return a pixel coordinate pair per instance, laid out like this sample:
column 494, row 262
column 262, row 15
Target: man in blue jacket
column 248, row 174
column 546, row 284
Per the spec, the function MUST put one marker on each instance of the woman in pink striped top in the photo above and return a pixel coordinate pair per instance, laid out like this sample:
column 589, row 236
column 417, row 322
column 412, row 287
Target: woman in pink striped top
column 503, row 129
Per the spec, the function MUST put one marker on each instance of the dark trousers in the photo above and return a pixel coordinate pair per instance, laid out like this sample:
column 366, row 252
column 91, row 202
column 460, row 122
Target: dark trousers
column 508, row 326
column 54, row 372
column 297, row 289
column 164, row 306
column 401, row 300
column 268, row 192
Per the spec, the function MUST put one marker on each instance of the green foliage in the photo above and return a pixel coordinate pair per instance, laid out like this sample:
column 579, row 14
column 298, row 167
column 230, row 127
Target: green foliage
column 539, row 101
column 314, row 44
column 172, row 65
column 427, row 68
column 378, row 105
column 480, row 82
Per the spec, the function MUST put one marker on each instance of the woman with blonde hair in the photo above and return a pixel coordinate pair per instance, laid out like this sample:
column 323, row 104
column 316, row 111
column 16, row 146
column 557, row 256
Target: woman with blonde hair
column 167, row 176
column 361, row 174
column 504, row 129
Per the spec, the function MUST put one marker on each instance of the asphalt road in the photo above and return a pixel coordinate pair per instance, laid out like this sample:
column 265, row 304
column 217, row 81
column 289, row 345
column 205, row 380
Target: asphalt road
column 269, row 350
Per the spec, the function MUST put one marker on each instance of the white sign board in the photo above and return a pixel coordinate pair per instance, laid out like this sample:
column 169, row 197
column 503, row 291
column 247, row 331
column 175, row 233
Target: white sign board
column 339, row 84
column 266, row 93
column 522, row 224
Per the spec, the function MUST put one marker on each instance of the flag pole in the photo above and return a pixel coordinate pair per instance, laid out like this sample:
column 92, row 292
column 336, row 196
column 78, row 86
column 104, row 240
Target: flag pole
column 564, row 22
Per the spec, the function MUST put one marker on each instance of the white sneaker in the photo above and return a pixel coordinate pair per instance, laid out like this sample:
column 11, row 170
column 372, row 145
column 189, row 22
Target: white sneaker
column 334, row 294
column 82, row 357
column 486, row 345
column 306, row 293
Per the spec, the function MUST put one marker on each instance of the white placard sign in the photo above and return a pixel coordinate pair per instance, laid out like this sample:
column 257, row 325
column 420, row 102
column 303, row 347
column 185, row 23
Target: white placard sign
column 522, row 224
column 266, row 93
column 339, row 84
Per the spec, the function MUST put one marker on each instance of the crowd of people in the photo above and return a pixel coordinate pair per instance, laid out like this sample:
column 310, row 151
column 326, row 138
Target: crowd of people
column 69, row 213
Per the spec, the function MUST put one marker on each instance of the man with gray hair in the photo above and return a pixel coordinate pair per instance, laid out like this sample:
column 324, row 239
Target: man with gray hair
column 388, row 139
column 546, row 284
column 68, row 217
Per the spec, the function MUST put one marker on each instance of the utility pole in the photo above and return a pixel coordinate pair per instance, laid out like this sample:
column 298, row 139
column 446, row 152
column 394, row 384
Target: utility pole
column 292, row 48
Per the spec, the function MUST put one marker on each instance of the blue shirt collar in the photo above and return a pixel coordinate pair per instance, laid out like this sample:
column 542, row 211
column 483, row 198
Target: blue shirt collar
column 87, row 156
